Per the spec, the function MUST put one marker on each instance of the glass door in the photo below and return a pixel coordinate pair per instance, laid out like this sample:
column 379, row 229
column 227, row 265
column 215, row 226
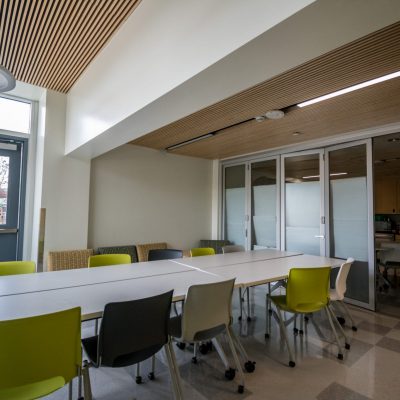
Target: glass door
column 349, row 217
column 264, row 202
column 302, row 202
column 235, row 204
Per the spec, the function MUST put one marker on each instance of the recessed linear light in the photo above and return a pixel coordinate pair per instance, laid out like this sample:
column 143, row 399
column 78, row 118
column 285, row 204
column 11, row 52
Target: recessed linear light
column 396, row 139
column 317, row 176
column 350, row 89
column 197, row 139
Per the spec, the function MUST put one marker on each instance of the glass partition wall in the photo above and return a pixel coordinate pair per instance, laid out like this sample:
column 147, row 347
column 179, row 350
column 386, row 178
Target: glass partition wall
column 314, row 202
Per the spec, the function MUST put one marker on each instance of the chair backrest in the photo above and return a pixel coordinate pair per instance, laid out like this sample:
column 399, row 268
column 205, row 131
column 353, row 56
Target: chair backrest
column 341, row 278
column 143, row 249
column 164, row 254
column 207, row 310
column 215, row 244
column 39, row 348
column 233, row 248
column 132, row 326
column 17, row 267
column 308, row 288
column 103, row 260
column 128, row 249
column 68, row 259
column 202, row 251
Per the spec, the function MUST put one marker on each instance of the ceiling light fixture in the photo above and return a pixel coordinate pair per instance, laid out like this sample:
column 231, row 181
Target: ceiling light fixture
column 197, row 139
column 394, row 140
column 332, row 174
column 274, row 114
column 260, row 118
column 350, row 89
column 7, row 81
column 297, row 133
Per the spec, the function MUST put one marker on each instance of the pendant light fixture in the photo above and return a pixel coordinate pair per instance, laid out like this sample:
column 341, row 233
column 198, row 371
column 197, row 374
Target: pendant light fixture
column 7, row 80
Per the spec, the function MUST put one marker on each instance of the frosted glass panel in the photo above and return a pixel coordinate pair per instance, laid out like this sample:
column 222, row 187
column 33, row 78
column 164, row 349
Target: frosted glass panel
column 263, row 181
column 235, row 202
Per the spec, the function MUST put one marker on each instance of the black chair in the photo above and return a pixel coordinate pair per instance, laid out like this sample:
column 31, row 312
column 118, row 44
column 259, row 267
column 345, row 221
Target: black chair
column 131, row 332
column 164, row 254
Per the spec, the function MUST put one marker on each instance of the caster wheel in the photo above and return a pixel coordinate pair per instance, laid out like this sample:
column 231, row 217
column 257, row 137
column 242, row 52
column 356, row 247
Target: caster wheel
column 340, row 356
column 194, row 360
column 295, row 331
column 266, row 336
column 203, row 348
column 292, row 364
column 250, row 366
column 151, row 376
column 248, row 319
column 230, row 374
column 138, row 380
column 354, row 328
column 181, row 345
column 306, row 319
column 239, row 318
column 341, row 320
column 240, row 389
column 347, row 346
column 301, row 332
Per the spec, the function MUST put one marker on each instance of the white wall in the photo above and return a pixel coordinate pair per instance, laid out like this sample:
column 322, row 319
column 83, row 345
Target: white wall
column 139, row 195
column 160, row 46
column 65, row 183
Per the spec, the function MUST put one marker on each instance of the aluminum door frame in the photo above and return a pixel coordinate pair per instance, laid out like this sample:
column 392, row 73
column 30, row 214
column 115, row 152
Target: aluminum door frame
column 322, row 226
column 370, row 207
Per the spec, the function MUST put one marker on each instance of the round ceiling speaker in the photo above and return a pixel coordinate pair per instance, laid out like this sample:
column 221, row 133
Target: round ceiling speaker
column 7, row 81
column 274, row 114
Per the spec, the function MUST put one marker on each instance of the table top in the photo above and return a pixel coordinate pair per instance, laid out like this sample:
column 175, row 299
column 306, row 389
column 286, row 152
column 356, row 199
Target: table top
column 27, row 283
column 93, row 298
column 265, row 271
column 221, row 260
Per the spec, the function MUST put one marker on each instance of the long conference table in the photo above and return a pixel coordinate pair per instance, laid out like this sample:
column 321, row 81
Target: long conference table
column 92, row 288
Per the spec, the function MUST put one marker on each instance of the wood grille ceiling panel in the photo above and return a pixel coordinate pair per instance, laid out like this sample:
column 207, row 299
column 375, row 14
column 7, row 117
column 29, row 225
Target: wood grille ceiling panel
column 50, row 43
column 369, row 57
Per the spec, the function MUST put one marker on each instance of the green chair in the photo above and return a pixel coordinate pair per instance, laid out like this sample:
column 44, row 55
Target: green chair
column 17, row 267
column 202, row 251
column 307, row 291
column 39, row 355
column 103, row 260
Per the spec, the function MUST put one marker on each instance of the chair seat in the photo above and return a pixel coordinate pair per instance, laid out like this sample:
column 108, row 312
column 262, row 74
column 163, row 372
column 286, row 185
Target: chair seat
column 33, row 390
column 280, row 301
column 90, row 347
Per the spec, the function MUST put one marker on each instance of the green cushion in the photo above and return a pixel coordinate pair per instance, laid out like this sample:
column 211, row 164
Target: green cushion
column 34, row 390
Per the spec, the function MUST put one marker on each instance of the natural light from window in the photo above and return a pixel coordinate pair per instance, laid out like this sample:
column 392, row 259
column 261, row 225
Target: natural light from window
column 15, row 115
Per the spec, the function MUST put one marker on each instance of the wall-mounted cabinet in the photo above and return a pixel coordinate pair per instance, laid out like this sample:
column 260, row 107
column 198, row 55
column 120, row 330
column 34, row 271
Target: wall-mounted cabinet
column 387, row 196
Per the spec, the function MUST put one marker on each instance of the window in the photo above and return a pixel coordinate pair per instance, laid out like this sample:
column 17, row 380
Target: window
column 15, row 115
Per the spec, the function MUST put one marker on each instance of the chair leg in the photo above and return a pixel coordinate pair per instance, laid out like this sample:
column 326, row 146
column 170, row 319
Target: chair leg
column 346, row 309
column 268, row 316
column 87, row 389
column 96, row 327
column 174, row 371
column 221, row 353
column 248, row 304
column 70, row 387
column 151, row 374
column 240, row 304
column 346, row 339
column 138, row 377
column 237, row 362
column 194, row 358
column 249, row 366
column 284, row 334
column 340, row 351
column 80, row 385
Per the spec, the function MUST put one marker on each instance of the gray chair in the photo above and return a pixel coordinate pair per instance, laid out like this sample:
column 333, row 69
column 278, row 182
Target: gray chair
column 215, row 244
column 206, row 315
column 232, row 248
column 164, row 254
column 131, row 332
column 128, row 249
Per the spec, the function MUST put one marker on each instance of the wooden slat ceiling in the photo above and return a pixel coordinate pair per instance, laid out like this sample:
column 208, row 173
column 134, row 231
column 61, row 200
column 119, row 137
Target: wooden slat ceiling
column 369, row 57
column 49, row 43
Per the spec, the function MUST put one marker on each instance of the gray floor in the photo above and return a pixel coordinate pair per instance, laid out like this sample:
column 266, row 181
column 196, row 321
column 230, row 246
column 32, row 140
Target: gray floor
column 370, row 370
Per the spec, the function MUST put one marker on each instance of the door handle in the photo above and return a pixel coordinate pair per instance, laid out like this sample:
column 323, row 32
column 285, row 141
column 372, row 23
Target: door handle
column 320, row 236
column 8, row 230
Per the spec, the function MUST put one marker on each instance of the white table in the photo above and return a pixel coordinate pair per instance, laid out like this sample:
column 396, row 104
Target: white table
column 28, row 283
column 93, row 298
column 222, row 260
column 266, row 271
